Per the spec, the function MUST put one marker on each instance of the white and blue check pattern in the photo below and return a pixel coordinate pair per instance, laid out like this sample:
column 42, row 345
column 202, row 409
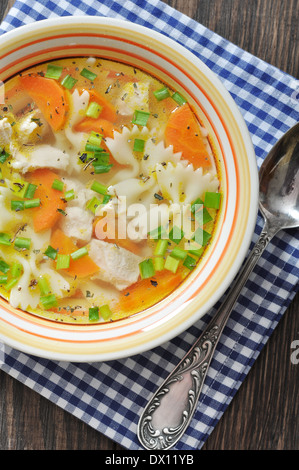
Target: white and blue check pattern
column 110, row 396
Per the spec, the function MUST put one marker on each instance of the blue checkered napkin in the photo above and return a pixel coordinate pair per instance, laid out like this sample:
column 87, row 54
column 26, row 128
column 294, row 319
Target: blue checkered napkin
column 110, row 396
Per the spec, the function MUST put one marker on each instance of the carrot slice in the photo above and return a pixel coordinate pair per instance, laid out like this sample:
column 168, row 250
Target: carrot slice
column 184, row 134
column 49, row 96
column 147, row 292
column 81, row 267
column 108, row 112
column 61, row 242
column 47, row 214
column 102, row 126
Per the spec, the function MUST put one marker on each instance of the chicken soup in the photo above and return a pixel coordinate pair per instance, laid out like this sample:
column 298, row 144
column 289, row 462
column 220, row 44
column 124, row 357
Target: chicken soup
column 109, row 190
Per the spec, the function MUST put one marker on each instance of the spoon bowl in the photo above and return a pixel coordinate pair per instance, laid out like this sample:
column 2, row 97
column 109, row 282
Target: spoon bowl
column 170, row 410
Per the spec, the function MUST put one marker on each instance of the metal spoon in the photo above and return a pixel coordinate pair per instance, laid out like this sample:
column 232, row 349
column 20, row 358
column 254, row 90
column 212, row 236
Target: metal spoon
column 169, row 411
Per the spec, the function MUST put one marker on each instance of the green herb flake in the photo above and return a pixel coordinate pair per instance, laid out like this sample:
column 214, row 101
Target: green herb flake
column 88, row 74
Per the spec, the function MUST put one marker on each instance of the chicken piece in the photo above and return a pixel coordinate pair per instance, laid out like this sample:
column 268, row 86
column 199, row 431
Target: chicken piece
column 32, row 128
column 77, row 223
column 82, row 194
column 118, row 266
column 27, row 126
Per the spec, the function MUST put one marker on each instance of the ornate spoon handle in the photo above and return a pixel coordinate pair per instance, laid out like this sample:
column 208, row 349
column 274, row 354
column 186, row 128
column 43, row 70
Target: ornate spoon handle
column 169, row 411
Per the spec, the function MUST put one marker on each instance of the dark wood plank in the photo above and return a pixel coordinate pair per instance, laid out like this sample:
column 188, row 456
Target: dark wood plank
column 264, row 412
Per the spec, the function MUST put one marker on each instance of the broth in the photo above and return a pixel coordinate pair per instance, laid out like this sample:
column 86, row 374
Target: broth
column 109, row 190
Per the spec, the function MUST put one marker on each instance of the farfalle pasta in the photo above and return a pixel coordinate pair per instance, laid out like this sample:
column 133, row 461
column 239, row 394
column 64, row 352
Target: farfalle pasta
column 109, row 190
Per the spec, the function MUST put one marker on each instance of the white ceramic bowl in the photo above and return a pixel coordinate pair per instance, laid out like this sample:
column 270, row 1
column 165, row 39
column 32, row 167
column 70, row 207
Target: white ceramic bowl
column 123, row 41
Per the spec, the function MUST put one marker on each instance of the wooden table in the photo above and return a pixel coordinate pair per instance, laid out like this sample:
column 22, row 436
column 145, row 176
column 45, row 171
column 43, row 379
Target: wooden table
column 264, row 413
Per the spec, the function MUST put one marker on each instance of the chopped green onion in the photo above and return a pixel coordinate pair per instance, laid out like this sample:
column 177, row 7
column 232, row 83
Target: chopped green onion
column 100, row 169
column 63, row 261
column 162, row 93
column 206, row 216
column 79, row 253
column 93, row 204
column 30, row 191
column 196, row 251
column 23, row 243
column 159, row 263
column 99, row 188
column 10, row 284
column 5, row 239
column 95, row 138
column 178, row 253
column 93, row 314
column 16, row 270
column 53, row 71
column 3, row 279
column 140, row 118
column 93, row 147
column 21, row 205
column 102, row 158
column 105, row 312
column 161, row 247
column 146, row 268
column 69, row 195
column 212, row 200
column 189, row 263
column 68, row 82
column 88, row 74
column 171, row 264
column 94, row 110
column 57, row 184
column 176, row 234
column 4, row 267
column 4, row 156
column 51, row 252
column 16, row 205
column 43, row 286
column 48, row 301
column 106, row 199
column 201, row 236
column 196, row 205
column 202, row 216
column 158, row 233
column 29, row 203
column 138, row 145
column 178, row 98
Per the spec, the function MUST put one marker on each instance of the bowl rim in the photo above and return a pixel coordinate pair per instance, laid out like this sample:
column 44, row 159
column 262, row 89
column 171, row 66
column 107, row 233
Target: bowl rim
column 14, row 36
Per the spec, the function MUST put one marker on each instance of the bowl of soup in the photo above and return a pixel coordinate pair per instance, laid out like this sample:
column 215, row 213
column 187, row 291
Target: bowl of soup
column 128, row 189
